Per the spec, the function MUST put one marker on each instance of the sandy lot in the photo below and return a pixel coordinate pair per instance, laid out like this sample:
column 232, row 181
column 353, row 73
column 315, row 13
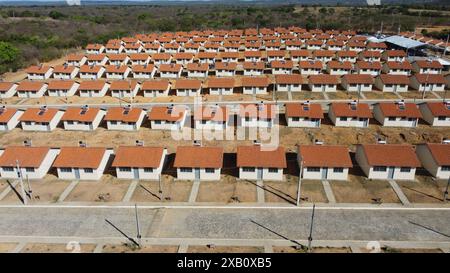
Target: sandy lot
column 225, row 249
column 144, row 249
column 409, row 250
column 173, row 190
column 423, row 190
column 291, row 249
column 107, row 189
column 341, row 95
column 358, row 190
column 6, row 247
column 280, row 191
column 380, row 95
column 46, row 190
column 227, row 191
column 55, row 248
column 312, row 191
column 3, row 185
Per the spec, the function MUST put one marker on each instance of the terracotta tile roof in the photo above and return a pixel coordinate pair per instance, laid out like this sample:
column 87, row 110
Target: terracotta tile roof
column 116, row 68
column 75, row 57
column 138, row 157
column 96, row 57
column 38, row 115
column 394, row 79
column 276, row 53
column 340, row 65
column 360, row 110
column 304, row 110
column 170, row 67
column 395, row 53
column 119, row 114
column 139, row 56
column 161, row 56
column 123, row 85
column 66, row 69
column 430, row 78
column 27, row 156
column 92, row 85
column 429, row 64
column 229, row 66
column 439, row 109
column 140, row 68
column 211, row 113
column 188, row 84
column 90, row 68
column 391, row 155
column 80, row 114
column 198, row 157
column 197, row 67
column 352, row 43
column 358, row 78
column 370, row 53
column 30, row 86
column 265, row 111
column 79, row 157
column 6, row 86
column 335, row 43
column 323, row 79
column 399, row 65
column 94, row 46
column 206, row 55
column 255, row 81
column 254, row 65
column 252, row 54
column 289, row 79
column 176, row 113
column 314, row 42
column 369, row 65
column 310, row 64
column 36, row 69
column 159, row 85
column 221, row 83
column 390, row 109
column 183, row 56
column 347, row 53
column 376, row 45
column 299, row 53
column 325, row 156
column 324, row 53
column 257, row 156
column 282, row 64
column 6, row 114
column 60, row 85
column 440, row 153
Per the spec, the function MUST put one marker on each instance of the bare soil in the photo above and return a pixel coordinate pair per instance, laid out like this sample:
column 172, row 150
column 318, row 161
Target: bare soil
column 225, row 249
column 144, row 249
column 7, row 247
column 55, row 248
column 173, row 190
column 291, row 249
column 108, row 189
column 312, row 191
column 423, row 190
column 227, row 191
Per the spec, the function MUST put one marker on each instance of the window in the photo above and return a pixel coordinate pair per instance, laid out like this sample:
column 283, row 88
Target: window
column 70, row 122
column 113, row 122
column 29, row 170
column 248, row 169
column 405, row 169
column 343, row 118
column 88, row 170
column 441, row 118
column 295, row 119
column 66, row 170
column 443, row 168
column 392, row 118
column 185, row 170
column 313, row 169
column 379, row 169
column 209, row 170
column 157, row 122
column 8, row 169
column 148, row 170
column 125, row 169
column 338, row 170
column 273, row 170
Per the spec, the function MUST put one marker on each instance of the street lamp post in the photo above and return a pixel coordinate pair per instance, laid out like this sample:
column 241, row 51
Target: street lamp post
column 311, row 228
column 299, row 181
column 137, row 224
column 19, row 175
column 425, row 86
column 446, row 190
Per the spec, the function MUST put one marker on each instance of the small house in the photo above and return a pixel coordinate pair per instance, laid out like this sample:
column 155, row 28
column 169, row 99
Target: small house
column 40, row 119
column 225, row 69
column 91, row 72
column 261, row 163
column 397, row 114
column 198, row 163
column 257, row 115
column 357, row 82
column 323, row 83
column 304, row 115
column 7, row 89
column 310, row 67
column 288, row 83
column 428, row 82
column 153, row 89
column 29, row 89
column 188, row 87
column 65, row 72
column 83, row 118
column 9, row 118
column 124, row 89
column 197, row 70
column 39, row 72
column 221, row 86
column 93, row 89
column 172, row 71
column 436, row 113
column 124, row 118
column 117, row 72
column 435, row 159
column 62, row 88
column 352, row 114
column 211, row 117
column 254, row 85
column 427, row 67
column 392, row 83
column 167, row 117
column 146, row 71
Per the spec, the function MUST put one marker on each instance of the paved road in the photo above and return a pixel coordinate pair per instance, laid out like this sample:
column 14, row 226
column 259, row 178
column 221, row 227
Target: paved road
column 231, row 223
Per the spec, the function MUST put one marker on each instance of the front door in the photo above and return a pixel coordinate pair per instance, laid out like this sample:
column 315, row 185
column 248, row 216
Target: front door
column 197, row 174
column 324, row 173
column 366, row 122
column 77, row 173
column 391, row 172
column 136, row 173
column 259, row 173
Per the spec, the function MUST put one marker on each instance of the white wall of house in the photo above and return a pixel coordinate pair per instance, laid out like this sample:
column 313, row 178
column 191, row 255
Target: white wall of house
column 170, row 75
column 347, row 59
column 338, row 71
column 318, row 173
column 64, row 93
column 12, row 122
column 81, row 62
column 372, row 72
column 118, row 76
column 251, row 173
column 281, row 71
column 356, row 87
column 323, row 87
column 188, row 92
column 32, row 94
column 431, row 119
column 394, row 121
column 225, row 73
column 92, row 76
column 125, row 126
column 289, row 87
column 221, row 91
column 144, row 75
column 253, row 72
column 66, row 76
column 85, row 126
column 254, row 122
column 43, row 76
column 254, row 90
column 94, row 93
column 390, row 87
column 203, row 175
column 9, row 93
column 303, row 122
column 428, row 162
column 32, row 173
column 210, row 125
column 142, row 173
column 197, row 74
column 428, row 87
column 156, row 93
column 169, row 125
column 45, row 127
column 309, row 71
column 396, row 71
column 125, row 93
column 85, row 173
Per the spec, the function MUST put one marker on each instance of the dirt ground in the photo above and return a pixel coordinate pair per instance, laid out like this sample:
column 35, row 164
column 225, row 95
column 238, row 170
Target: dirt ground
column 227, row 191
column 173, row 190
column 342, row 95
column 312, row 191
column 108, row 189
column 423, row 190
column 359, row 190
column 144, row 249
column 6, row 247
column 380, row 95
column 280, row 191
column 291, row 249
column 3, row 185
column 409, row 250
column 56, row 248
column 225, row 249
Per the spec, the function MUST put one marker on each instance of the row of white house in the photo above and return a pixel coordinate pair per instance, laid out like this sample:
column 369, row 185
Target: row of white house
column 318, row 162
column 212, row 117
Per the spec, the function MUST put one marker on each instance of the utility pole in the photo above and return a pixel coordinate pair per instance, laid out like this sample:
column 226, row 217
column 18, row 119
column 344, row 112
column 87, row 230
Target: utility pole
column 137, row 224
column 19, row 175
column 446, row 190
column 425, row 86
column 311, row 228
column 446, row 45
column 299, row 180
column 160, row 188
column 30, row 191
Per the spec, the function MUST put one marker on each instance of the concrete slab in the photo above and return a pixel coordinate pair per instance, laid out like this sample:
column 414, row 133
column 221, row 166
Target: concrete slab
column 260, row 191
column 98, row 248
column 399, row 192
column 130, row 191
column 268, row 248
column 183, row 248
column 194, row 191
column 325, row 95
column 19, row 247
column 328, row 191
column 67, row 191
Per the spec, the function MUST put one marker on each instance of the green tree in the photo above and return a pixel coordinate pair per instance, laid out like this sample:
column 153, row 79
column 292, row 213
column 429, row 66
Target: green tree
column 56, row 15
column 8, row 53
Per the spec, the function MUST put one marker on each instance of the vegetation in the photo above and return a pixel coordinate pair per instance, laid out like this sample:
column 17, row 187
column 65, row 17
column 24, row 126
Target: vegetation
column 42, row 33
